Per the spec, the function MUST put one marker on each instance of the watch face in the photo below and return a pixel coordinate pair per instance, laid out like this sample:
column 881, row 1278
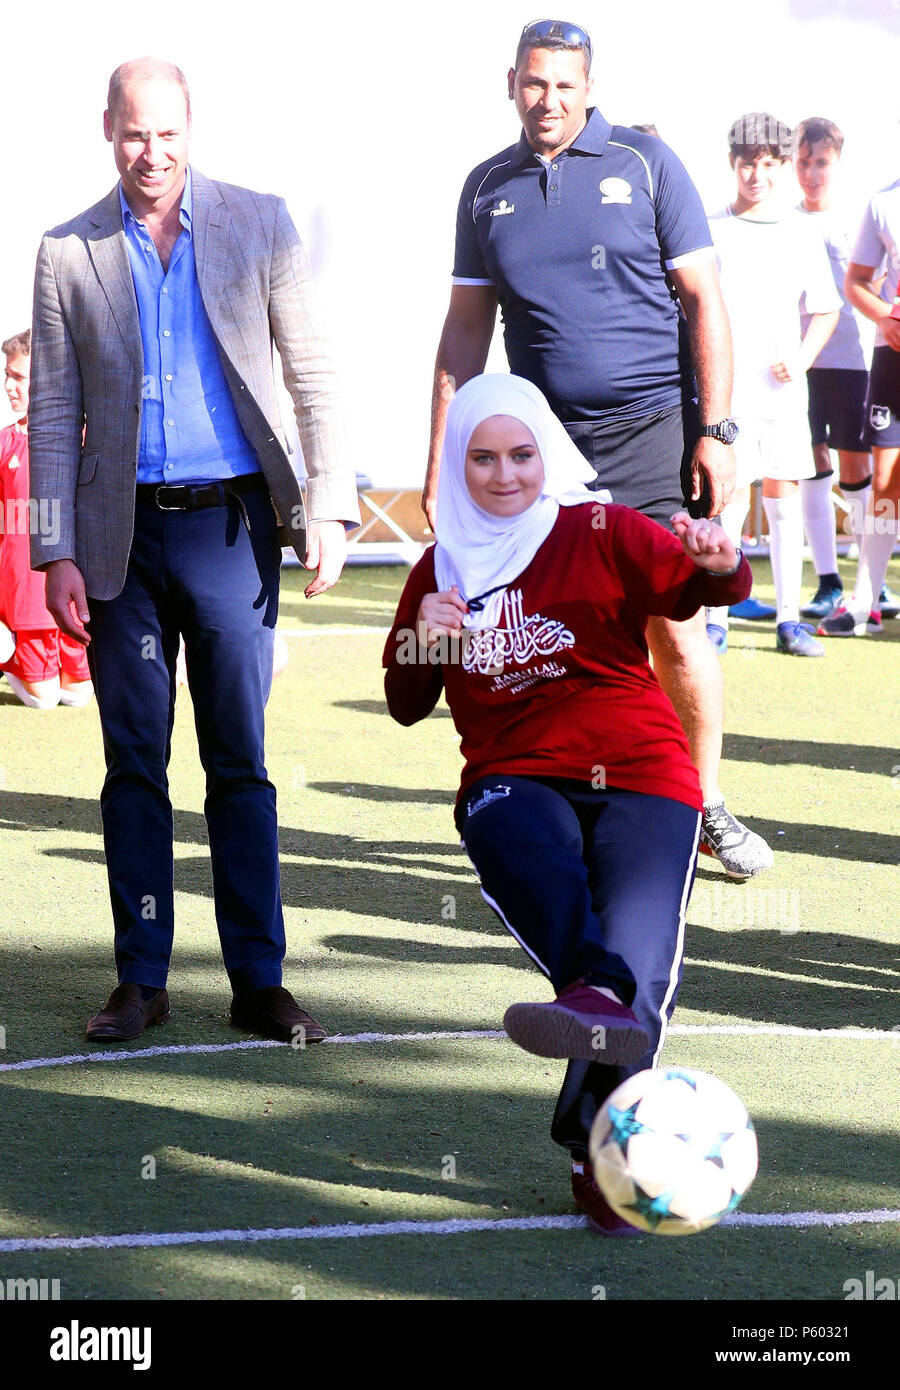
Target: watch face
column 728, row 431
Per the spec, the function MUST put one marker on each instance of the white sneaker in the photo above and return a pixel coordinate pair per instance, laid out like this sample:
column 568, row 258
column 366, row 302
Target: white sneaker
column 741, row 853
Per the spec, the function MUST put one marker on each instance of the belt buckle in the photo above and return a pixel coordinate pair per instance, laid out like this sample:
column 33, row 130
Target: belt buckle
column 161, row 506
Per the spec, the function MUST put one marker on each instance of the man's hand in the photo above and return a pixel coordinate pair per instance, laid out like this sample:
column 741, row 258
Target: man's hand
column 440, row 615
column 713, row 464
column 791, row 369
column 326, row 551
column 65, row 588
column 705, row 543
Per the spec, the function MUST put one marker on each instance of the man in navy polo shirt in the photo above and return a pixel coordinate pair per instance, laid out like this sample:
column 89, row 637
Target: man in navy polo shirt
column 577, row 231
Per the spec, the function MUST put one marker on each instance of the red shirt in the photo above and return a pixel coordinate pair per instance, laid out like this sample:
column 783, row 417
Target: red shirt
column 563, row 686
column 21, row 588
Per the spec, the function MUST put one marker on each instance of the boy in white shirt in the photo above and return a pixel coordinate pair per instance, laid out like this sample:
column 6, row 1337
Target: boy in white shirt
column 838, row 379
column 877, row 253
column 769, row 266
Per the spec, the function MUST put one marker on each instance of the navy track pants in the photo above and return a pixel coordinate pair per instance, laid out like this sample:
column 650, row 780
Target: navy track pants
column 592, row 884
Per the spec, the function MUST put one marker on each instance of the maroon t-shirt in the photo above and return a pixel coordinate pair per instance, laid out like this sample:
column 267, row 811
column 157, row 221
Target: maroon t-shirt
column 562, row 687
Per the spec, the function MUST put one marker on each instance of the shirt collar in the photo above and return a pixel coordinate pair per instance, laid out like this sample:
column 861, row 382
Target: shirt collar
column 593, row 139
column 187, row 205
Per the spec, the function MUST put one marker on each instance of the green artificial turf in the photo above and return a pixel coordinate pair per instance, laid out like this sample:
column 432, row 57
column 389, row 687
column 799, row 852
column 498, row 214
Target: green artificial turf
column 387, row 933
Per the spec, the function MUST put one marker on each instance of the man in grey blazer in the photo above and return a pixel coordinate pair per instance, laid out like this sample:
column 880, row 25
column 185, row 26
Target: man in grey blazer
column 155, row 437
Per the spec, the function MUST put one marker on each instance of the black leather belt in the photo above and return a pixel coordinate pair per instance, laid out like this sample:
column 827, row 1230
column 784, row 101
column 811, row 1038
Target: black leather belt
column 189, row 497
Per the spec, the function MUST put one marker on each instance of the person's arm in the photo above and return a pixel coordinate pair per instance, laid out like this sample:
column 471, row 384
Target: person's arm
column 698, row 289
column 55, row 430
column 858, row 287
column 818, row 331
column 413, row 677
column 672, row 576
column 331, row 498
column 462, row 353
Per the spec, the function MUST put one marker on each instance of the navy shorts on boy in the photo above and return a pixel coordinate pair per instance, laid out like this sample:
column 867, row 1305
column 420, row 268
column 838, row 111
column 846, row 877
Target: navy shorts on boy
column 837, row 407
column 883, row 404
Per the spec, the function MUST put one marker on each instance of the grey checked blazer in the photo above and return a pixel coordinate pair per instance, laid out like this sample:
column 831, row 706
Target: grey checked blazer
column 87, row 373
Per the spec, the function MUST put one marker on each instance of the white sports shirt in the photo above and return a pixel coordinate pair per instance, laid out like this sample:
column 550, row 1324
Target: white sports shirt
column 769, row 272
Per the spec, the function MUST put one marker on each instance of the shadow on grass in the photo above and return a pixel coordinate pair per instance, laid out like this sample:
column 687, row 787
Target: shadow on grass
column 275, row 1139
column 792, row 752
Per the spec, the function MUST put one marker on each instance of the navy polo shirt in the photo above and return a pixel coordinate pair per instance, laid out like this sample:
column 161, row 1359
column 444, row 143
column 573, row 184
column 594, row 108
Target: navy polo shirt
column 578, row 250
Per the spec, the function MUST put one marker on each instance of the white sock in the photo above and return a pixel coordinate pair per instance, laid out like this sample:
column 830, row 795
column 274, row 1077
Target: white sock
column 731, row 520
column 610, row 993
column 47, row 699
column 857, row 500
column 875, row 552
column 818, row 521
column 76, row 694
column 786, row 552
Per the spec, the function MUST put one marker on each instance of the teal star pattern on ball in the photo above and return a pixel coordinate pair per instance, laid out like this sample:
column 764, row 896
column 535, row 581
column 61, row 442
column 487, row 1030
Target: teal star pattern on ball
column 652, row 1209
column 675, row 1074
column 623, row 1123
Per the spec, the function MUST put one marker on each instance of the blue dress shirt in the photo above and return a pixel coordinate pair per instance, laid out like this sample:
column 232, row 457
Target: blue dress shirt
column 190, row 430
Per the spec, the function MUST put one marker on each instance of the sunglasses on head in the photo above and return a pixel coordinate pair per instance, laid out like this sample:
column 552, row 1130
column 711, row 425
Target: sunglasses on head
column 557, row 29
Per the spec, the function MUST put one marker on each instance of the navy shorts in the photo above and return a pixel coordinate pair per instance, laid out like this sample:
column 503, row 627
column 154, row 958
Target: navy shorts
column 837, row 407
column 645, row 463
column 883, row 404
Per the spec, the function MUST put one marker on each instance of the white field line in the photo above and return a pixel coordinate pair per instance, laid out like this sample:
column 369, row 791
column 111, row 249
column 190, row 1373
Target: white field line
column 738, row 1030
column 452, row 1227
column 332, row 631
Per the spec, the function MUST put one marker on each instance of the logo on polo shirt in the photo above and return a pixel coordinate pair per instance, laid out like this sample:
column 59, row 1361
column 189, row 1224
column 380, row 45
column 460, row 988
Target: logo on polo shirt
column 615, row 191
column 879, row 416
column 503, row 209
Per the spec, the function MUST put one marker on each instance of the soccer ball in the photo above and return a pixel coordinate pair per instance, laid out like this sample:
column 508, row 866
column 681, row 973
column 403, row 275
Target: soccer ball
column 673, row 1151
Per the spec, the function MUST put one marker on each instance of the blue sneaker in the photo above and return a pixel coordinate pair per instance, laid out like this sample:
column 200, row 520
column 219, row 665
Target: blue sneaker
column 718, row 637
column 828, row 597
column 797, row 640
column 888, row 603
column 751, row 608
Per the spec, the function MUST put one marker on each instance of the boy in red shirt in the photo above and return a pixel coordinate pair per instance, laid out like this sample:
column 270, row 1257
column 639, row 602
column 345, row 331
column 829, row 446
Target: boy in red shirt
column 42, row 666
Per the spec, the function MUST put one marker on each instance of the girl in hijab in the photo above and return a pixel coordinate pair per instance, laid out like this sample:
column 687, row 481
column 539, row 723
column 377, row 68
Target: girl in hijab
column 579, row 805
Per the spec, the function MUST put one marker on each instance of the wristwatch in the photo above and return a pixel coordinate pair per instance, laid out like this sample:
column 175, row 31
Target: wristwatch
column 726, row 431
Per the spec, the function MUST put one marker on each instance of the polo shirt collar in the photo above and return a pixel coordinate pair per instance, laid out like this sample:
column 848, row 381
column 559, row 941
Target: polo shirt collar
column 593, row 139
column 187, row 205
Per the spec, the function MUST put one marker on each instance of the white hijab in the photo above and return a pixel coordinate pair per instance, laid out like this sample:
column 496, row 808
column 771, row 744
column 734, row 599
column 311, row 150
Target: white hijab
column 479, row 552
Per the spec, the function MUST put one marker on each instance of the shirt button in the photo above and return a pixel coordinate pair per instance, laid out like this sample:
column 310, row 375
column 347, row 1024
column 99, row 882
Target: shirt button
column 169, row 467
column 552, row 187
column 168, row 376
column 554, row 166
column 165, row 289
column 170, row 422
column 166, row 333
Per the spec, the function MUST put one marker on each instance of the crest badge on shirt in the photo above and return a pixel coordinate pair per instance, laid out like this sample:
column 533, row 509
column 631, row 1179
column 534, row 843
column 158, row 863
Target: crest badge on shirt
column 879, row 416
column 615, row 191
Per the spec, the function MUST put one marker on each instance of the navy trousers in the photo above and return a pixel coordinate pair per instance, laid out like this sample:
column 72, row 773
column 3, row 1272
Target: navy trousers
column 201, row 574
column 593, row 884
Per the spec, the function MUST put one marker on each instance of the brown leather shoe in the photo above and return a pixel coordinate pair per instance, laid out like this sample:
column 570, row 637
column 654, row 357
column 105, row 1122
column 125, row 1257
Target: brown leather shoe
column 275, row 1013
column 126, row 1014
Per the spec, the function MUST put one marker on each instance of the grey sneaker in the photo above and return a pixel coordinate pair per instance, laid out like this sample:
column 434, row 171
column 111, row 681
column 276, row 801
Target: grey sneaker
column 741, row 853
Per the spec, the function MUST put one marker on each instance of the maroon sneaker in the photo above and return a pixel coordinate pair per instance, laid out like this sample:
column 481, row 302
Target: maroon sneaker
column 581, row 1022
column 600, row 1215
